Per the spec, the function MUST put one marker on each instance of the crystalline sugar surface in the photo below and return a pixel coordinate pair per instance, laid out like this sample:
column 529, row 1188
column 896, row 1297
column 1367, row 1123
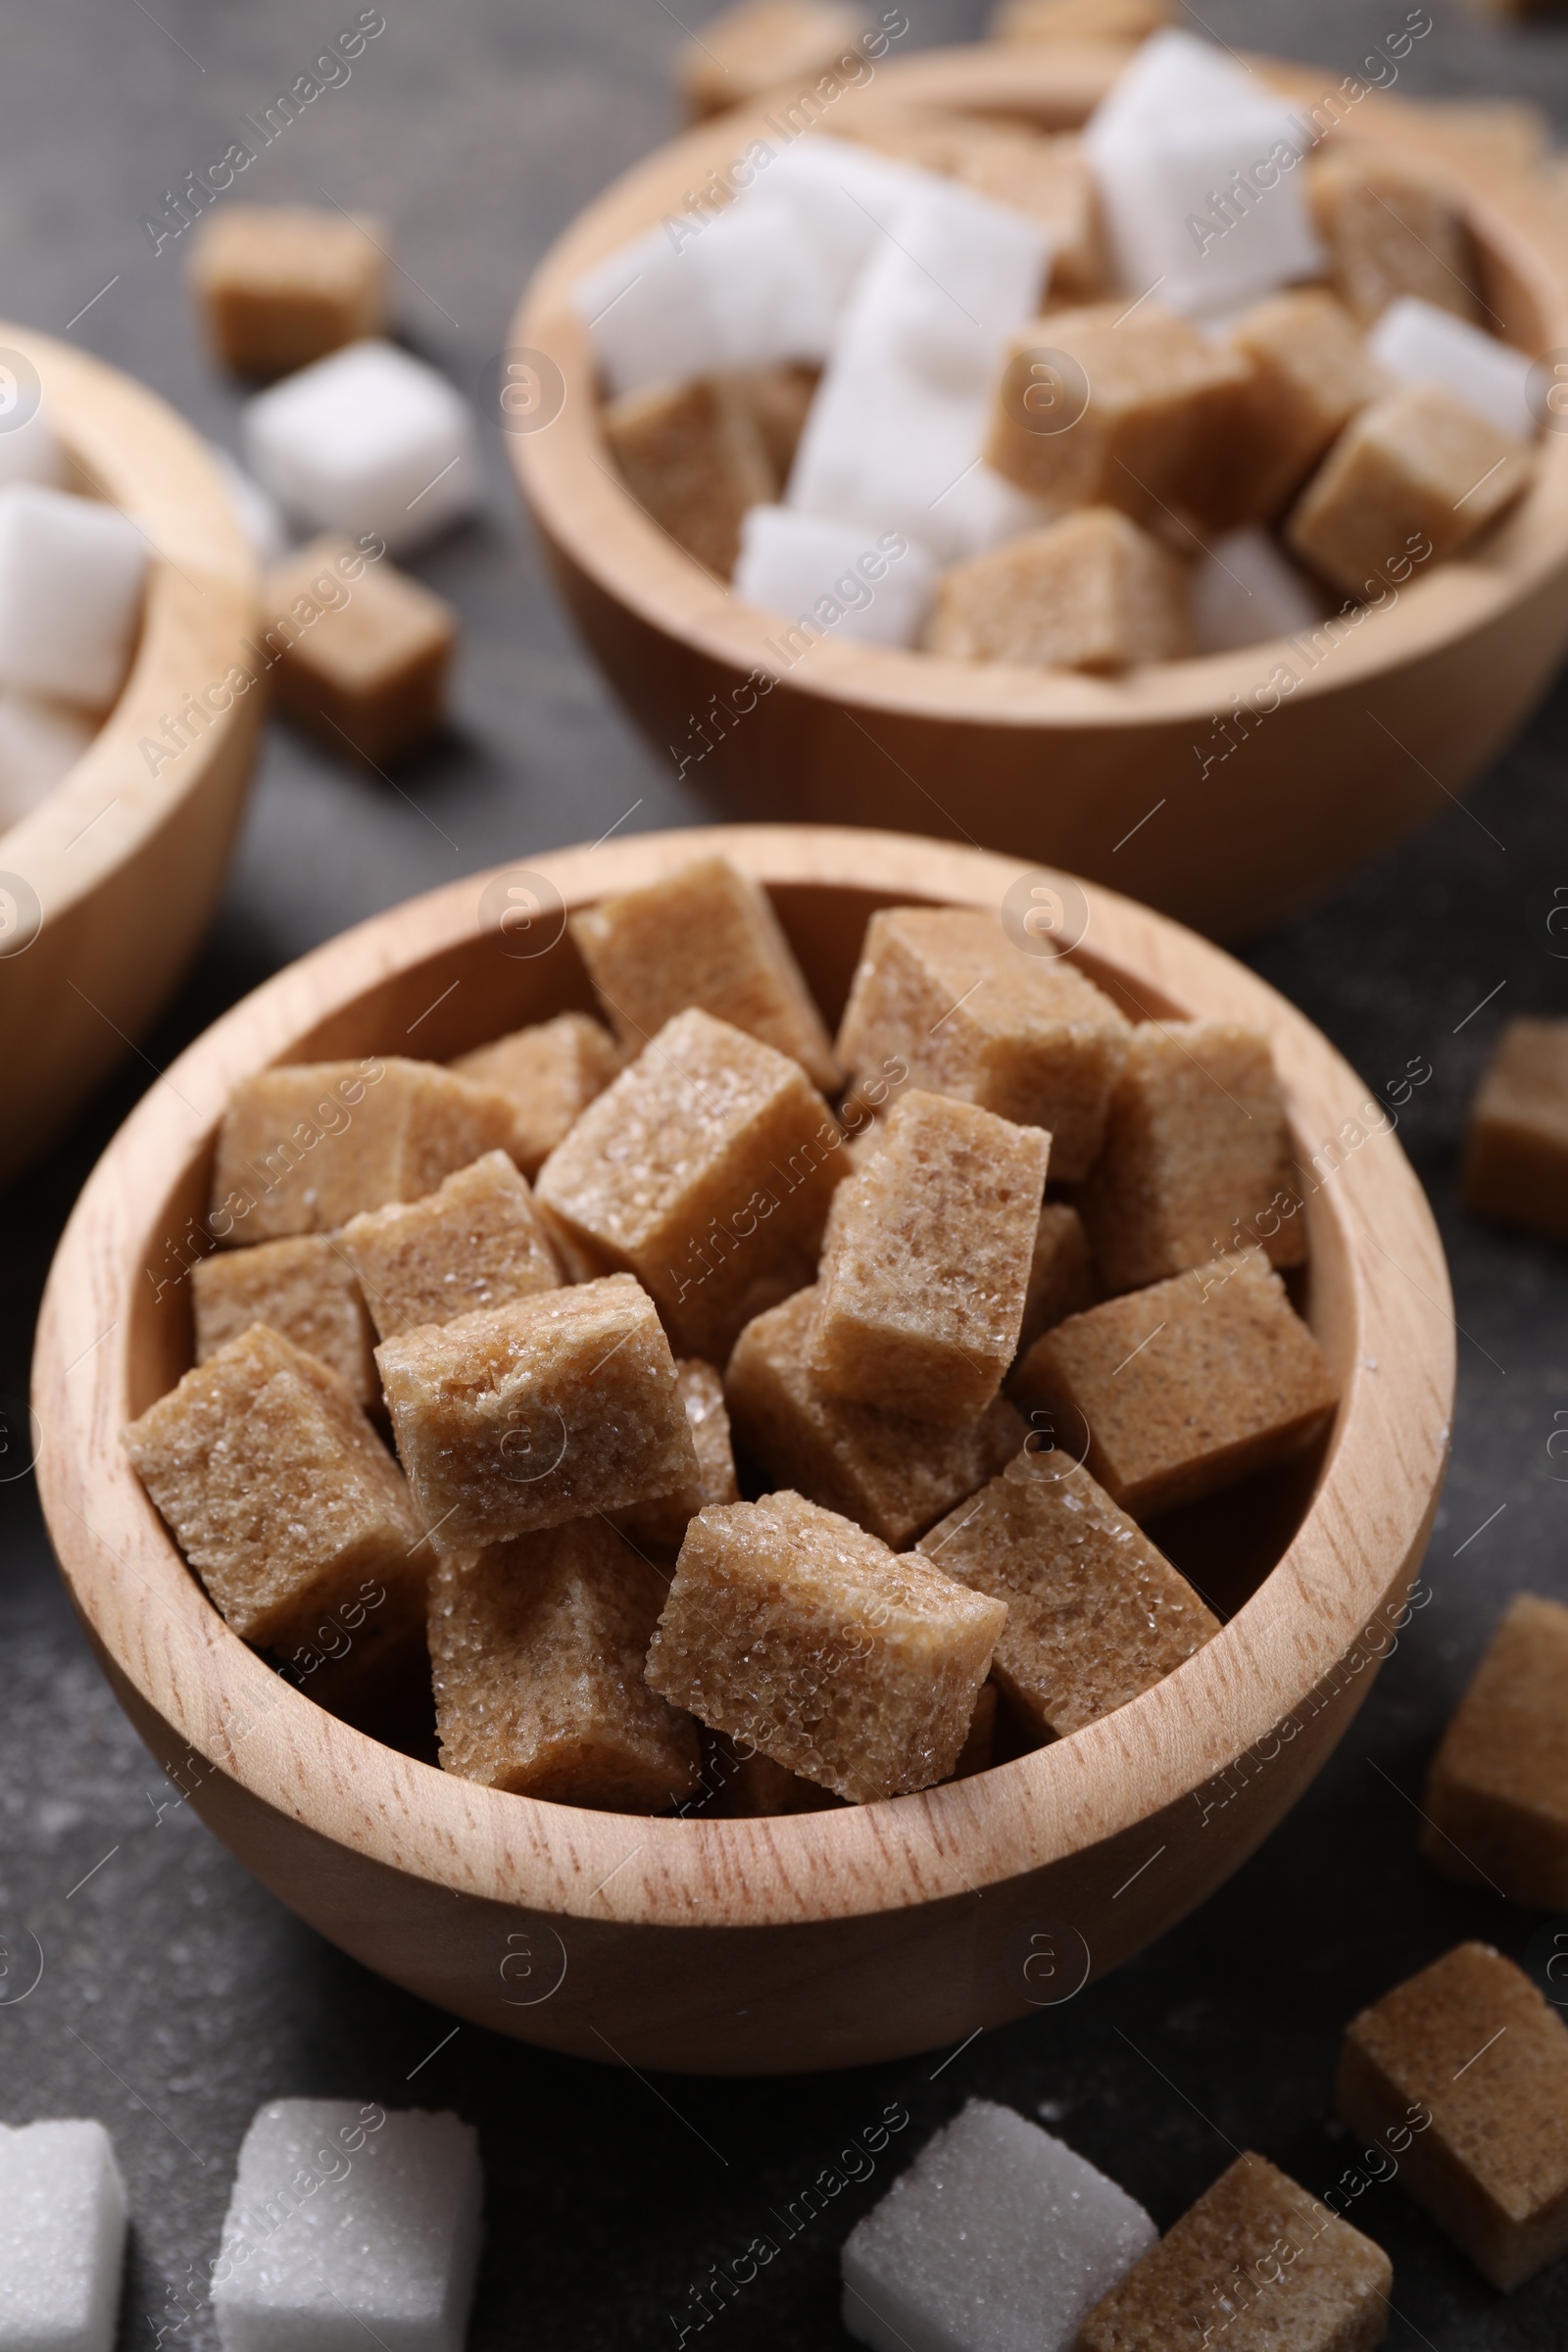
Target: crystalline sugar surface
column 62, row 2237
column 366, row 440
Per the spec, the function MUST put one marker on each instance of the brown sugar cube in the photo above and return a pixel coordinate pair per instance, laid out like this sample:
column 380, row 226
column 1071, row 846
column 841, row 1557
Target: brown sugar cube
column 1091, row 592
column 1469, row 2061
column 1257, row 2265
column 922, row 1291
column 1096, row 1614
column 663, row 1524
column 790, row 1626
column 706, row 1170
column 944, row 995
column 1496, row 1801
column 365, row 649
column 551, row 1071
column 1061, row 1279
column 1080, row 20
column 280, row 285
column 978, row 1751
column 305, row 1288
column 276, row 1489
column 1311, row 372
column 889, row 1473
column 474, row 1243
column 703, row 936
column 779, row 400
column 1417, row 474
column 1390, row 229
column 1188, row 1385
column 750, row 49
column 536, row 1412
column 693, row 457
column 1197, row 1156
column 1516, row 1158
column 536, row 1654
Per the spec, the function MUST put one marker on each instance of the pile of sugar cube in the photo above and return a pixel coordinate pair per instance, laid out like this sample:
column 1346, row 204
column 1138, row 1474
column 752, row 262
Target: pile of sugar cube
column 775, row 1420
column 1170, row 386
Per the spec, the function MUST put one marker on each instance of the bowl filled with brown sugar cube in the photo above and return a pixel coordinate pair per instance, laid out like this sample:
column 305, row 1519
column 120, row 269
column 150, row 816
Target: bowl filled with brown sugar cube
column 822, row 1463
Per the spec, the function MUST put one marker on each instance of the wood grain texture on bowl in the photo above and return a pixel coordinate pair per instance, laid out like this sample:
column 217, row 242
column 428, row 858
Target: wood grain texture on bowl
column 1237, row 822
column 746, row 1945
column 126, row 858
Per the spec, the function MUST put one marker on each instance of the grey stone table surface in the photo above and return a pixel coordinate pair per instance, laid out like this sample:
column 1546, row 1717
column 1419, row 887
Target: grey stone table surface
column 176, row 1994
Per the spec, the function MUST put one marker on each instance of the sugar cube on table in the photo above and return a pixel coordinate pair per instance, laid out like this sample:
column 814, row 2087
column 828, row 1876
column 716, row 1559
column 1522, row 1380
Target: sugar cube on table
column 62, row 2237
column 256, row 510
column 304, row 1147
column 366, row 440
column 536, row 1651
column 348, row 2221
column 1092, row 592
column 1462, row 2071
column 1516, row 1157
column 1061, row 1281
column 1258, row 2265
column 1497, row 1803
column 71, row 573
column 1420, row 343
column 852, row 1665
column 1197, row 1156
column 550, row 1072
column 472, row 1243
column 1188, row 1385
column 1311, row 370
column 703, row 936
column 947, row 992
column 1390, row 228
column 1079, row 20
column 761, row 45
column 304, row 1287
column 663, row 1524
column 1416, row 476
column 705, row 1169
column 1096, row 1613
column 282, row 285
column 366, row 650
column 997, row 2238
column 277, row 1491
column 889, row 1473
column 693, row 457
column 1243, row 589
column 833, row 578
column 921, row 1289
column 40, row 743
column 536, row 1412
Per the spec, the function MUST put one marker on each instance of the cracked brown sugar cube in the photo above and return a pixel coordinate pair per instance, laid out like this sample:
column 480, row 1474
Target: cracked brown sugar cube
column 1091, row 592
column 944, row 994
column 1390, row 229
column 536, row 1654
column 1257, row 2265
column 706, row 1170
column 703, row 936
column 749, row 49
column 889, row 1473
column 1096, row 1612
column 791, row 1628
column 366, row 650
column 551, row 1071
column 1516, row 1158
column 304, row 1147
column 1187, row 1386
column 1496, row 1801
column 1416, row 475
column 693, row 457
column 474, row 1243
column 305, row 1288
column 280, row 285
column 921, row 1289
column 1463, row 2071
column 536, row 1412
column 276, row 1489
column 1061, row 1281
column 1197, row 1157
column 1312, row 371
column 663, row 1524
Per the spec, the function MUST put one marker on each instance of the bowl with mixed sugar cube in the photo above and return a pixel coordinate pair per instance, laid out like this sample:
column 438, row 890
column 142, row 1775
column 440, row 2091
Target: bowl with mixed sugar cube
column 1147, row 467
column 817, row 1470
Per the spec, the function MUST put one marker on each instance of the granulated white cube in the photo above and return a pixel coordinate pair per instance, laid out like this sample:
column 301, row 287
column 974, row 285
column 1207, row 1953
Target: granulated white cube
column 366, row 440
column 256, row 510
column 1421, row 344
column 62, row 2237
column 70, row 585
column 40, row 742
column 347, row 2222
column 1244, row 590
column 996, row 2239
column 30, row 452
column 810, row 570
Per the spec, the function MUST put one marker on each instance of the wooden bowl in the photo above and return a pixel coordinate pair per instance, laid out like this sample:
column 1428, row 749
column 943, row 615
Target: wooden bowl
column 818, row 1939
column 112, row 880
column 1129, row 781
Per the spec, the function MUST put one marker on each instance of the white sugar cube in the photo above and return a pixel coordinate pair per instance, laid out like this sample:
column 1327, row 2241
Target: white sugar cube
column 1419, row 343
column 28, row 450
column 62, row 2237
column 996, row 2239
column 366, row 440
column 833, row 575
column 259, row 515
column 40, row 743
column 954, row 277
column 1244, row 591
column 70, row 586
